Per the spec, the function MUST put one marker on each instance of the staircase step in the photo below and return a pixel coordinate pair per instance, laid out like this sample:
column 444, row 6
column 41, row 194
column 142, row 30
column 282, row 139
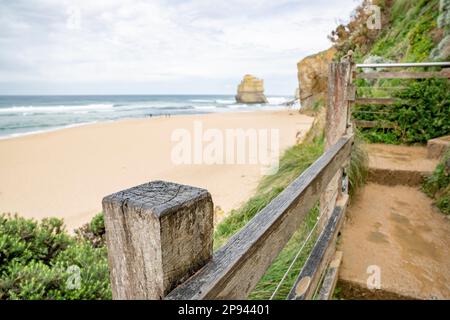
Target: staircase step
column 399, row 165
column 397, row 231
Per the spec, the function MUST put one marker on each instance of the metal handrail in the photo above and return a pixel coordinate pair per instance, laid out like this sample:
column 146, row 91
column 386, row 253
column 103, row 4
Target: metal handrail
column 404, row 65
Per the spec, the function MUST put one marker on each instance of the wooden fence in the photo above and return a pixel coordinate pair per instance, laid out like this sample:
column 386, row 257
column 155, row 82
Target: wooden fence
column 160, row 234
column 377, row 75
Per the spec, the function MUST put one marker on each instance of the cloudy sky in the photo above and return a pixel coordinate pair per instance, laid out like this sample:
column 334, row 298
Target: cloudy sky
column 159, row 46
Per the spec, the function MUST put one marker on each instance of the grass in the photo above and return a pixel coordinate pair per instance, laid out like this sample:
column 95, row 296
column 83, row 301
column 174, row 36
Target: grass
column 359, row 165
column 437, row 186
column 268, row 283
column 408, row 38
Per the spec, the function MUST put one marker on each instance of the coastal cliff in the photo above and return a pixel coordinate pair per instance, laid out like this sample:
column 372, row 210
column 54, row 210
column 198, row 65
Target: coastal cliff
column 251, row 90
column 313, row 77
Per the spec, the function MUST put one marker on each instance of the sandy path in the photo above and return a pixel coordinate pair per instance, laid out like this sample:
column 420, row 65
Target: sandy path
column 66, row 173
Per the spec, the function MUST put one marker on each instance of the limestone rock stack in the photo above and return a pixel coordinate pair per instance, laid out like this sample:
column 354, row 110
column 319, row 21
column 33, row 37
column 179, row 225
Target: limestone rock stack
column 251, row 90
column 313, row 77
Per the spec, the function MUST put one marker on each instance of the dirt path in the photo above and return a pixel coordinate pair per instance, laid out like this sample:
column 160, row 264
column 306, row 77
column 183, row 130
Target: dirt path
column 395, row 229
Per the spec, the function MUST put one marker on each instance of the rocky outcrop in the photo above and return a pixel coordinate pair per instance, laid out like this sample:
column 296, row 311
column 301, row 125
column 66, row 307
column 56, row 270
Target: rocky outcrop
column 442, row 51
column 437, row 147
column 251, row 90
column 444, row 16
column 375, row 60
column 313, row 77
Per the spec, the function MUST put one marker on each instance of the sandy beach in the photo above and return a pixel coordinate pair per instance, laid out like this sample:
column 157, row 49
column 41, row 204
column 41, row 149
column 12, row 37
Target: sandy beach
column 66, row 173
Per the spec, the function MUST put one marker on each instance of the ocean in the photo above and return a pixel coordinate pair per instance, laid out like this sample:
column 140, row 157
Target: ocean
column 21, row 115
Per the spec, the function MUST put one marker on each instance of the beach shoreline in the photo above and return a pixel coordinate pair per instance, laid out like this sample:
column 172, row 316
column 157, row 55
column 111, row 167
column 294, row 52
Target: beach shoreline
column 65, row 173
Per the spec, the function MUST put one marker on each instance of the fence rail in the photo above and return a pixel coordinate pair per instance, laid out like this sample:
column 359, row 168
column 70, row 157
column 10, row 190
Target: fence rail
column 404, row 75
column 403, row 65
column 379, row 101
column 374, row 124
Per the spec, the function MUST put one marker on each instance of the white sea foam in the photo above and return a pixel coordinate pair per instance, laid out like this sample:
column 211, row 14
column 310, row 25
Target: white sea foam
column 21, row 134
column 201, row 100
column 205, row 107
column 220, row 101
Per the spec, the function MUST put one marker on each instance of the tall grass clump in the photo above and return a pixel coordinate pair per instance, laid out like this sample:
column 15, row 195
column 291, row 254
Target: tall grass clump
column 294, row 161
column 358, row 170
column 269, row 282
column 437, row 185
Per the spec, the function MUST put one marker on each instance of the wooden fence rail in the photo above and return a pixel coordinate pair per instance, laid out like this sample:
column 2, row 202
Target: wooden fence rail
column 160, row 234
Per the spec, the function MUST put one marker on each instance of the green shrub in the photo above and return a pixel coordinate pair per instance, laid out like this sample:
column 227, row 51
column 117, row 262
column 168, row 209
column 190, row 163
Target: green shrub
column 94, row 231
column 23, row 240
column 422, row 113
column 39, row 260
column 437, row 185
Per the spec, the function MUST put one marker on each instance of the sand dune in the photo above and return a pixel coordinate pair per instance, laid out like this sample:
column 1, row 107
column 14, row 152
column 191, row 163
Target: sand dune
column 66, row 173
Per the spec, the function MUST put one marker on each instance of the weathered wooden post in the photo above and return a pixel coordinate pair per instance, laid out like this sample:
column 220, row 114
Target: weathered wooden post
column 340, row 96
column 158, row 234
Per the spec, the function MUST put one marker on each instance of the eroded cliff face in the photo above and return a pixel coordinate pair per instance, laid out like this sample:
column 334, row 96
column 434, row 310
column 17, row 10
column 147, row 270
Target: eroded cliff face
column 313, row 78
column 251, row 90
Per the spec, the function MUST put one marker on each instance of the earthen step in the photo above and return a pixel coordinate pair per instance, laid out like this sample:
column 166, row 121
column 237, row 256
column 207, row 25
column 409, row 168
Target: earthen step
column 394, row 230
column 399, row 165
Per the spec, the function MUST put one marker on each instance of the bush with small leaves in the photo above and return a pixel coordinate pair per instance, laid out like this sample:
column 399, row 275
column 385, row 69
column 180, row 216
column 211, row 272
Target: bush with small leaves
column 39, row 260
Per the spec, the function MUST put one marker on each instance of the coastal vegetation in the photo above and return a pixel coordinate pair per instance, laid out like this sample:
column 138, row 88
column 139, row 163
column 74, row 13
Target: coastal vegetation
column 40, row 260
column 437, row 186
column 420, row 114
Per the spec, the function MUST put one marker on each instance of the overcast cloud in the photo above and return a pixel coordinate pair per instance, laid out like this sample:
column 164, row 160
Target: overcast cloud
column 157, row 46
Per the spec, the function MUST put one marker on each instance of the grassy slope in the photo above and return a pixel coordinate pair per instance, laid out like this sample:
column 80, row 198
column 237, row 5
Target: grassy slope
column 409, row 37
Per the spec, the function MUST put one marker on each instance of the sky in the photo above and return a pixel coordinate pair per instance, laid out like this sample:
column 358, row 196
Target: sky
column 159, row 46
